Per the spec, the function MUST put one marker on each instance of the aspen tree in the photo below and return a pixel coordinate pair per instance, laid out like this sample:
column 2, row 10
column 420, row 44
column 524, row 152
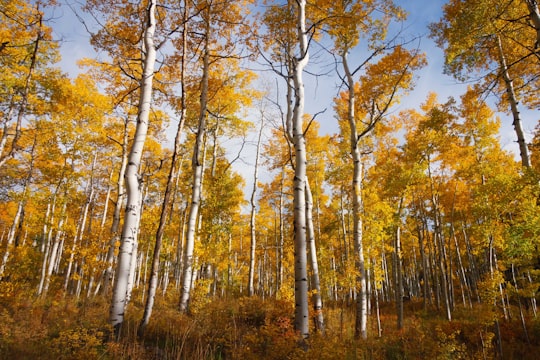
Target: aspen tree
column 133, row 179
column 489, row 39
column 169, row 187
column 347, row 23
column 252, row 223
column 295, row 132
column 197, row 164
column 222, row 28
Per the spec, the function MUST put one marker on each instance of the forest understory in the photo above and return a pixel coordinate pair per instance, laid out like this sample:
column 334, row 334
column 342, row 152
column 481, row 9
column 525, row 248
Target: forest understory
column 252, row 328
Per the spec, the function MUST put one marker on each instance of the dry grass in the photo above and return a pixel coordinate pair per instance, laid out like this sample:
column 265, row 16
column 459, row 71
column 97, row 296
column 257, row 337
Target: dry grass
column 244, row 328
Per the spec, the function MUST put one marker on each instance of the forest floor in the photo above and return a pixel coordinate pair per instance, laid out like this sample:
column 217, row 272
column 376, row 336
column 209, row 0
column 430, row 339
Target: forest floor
column 60, row 327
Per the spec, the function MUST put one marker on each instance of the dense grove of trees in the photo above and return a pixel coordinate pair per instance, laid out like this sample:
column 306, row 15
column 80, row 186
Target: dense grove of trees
column 122, row 185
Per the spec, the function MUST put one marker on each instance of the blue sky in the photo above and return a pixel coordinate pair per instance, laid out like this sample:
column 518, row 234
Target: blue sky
column 75, row 45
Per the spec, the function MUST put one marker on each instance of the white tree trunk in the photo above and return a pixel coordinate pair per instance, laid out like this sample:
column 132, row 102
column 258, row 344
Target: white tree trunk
column 81, row 225
column 315, row 280
column 169, row 189
column 197, row 166
column 108, row 273
column 133, row 207
column 252, row 224
column 511, row 94
column 301, row 318
column 361, row 301
column 53, row 251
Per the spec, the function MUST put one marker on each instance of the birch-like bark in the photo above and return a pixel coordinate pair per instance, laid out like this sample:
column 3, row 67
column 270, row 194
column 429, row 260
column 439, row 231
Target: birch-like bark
column 512, row 99
column 133, row 208
column 281, row 235
column 301, row 317
column 252, row 224
column 312, row 252
column 361, row 300
column 398, row 278
column 173, row 172
column 467, row 295
column 521, row 315
column 79, row 234
column 46, row 240
column 197, row 166
column 55, row 248
column 120, row 197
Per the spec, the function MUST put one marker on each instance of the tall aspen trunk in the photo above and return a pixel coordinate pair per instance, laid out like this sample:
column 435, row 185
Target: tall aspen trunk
column 423, row 278
column 120, row 197
column 180, row 248
column 438, row 240
column 512, row 99
column 78, row 240
column 312, row 252
column 252, row 224
column 301, row 316
column 398, row 277
column 398, row 267
column 343, row 222
column 466, row 289
column 521, row 315
column 154, row 272
column 53, row 250
column 475, row 276
column 79, row 234
column 361, row 300
column 133, row 179
column 102, row 257
column 281, row 234
column 197, row 167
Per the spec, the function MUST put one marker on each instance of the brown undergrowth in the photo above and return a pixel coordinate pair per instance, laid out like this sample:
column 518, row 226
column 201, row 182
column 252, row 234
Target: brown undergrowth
column 60, row 327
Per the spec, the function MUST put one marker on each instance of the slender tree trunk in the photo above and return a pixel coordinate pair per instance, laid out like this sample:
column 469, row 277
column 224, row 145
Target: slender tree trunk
column 472, row 264
column 533, row 295
column 281, row 238
column 521, row 315
column 312, row 252
column 399, row 277
column 197, row 166
column 154, row 272
column 438, row 239
column 54, row 249
column 180, row 248
column 79, row 234
column 118, row 206
column 463, row 279
column 343, row 222
column 133, row 208
column 378, row 312
column 512, row 99
column 252, row 224
column 361, row 301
